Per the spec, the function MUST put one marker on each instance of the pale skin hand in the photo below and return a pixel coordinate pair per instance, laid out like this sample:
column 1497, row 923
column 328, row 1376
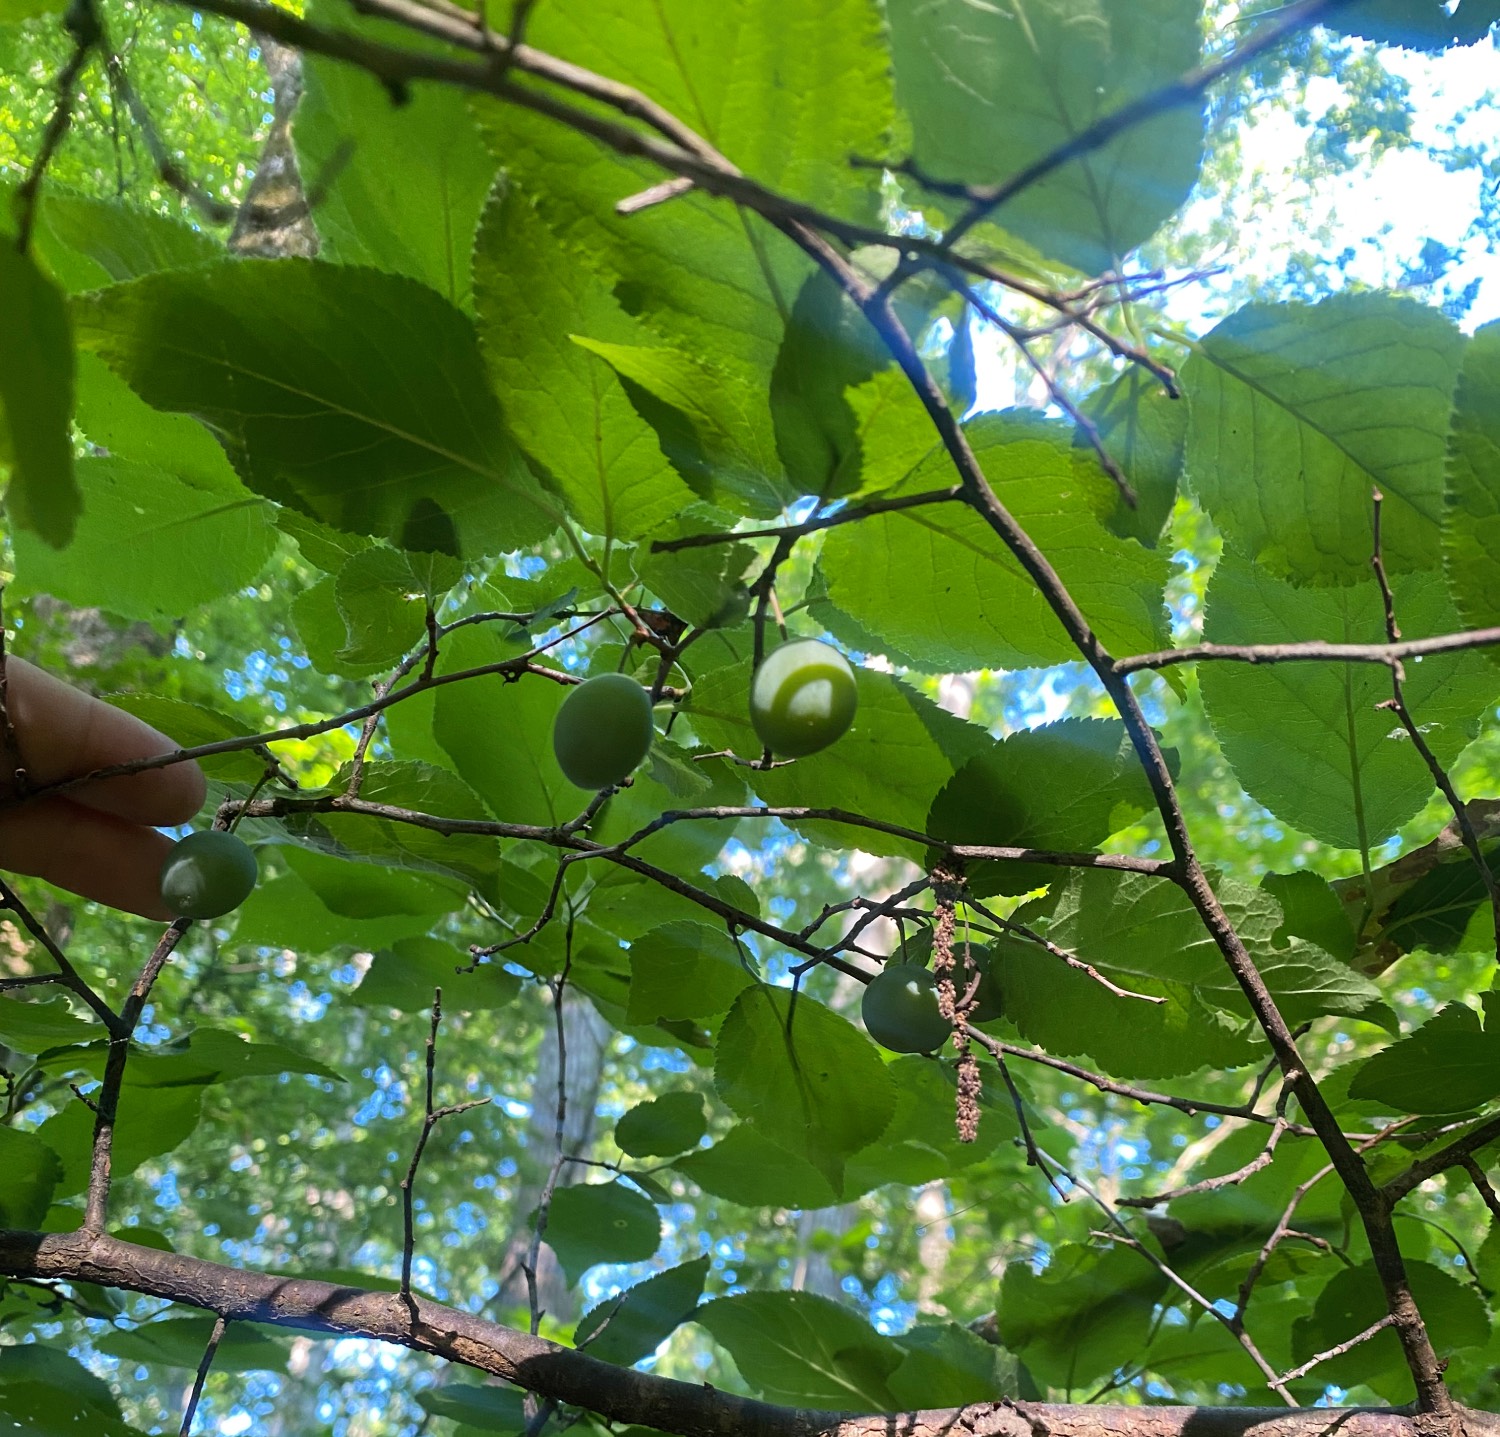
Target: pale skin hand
column 97, row 841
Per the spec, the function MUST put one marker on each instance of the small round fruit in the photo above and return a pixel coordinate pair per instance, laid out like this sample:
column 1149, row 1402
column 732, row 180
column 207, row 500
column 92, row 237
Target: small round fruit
column 803, row 698
column 900, row 1009
column 602, row 731
column 206, row 875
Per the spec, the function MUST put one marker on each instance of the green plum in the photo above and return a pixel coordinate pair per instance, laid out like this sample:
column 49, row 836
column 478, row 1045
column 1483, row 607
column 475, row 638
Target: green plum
column 207, row 875
column 900, row 1010
column 603, row 730
column 803, row 698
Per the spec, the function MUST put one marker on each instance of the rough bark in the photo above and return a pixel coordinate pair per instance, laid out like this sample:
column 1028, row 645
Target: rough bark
column 273, row 221
column 621, row 1393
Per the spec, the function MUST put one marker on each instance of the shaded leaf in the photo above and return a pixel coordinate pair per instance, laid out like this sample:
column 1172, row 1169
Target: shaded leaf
column 626, row 1328
column 601, row 1222
column 798, row 1348
column 270, row 355
column 36, row 401
column 807, row 1079
column 659, row 1127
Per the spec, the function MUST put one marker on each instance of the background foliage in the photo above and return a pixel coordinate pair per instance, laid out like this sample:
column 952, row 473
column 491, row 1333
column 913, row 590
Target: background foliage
column 241, row 489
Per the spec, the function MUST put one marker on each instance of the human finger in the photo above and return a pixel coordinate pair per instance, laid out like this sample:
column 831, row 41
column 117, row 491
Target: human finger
column 63, row 732
column 95, row 855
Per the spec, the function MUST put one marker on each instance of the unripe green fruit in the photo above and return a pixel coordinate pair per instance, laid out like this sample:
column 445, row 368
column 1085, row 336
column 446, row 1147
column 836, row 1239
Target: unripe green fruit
column 989, row 1000
column 803, row 698
column 900, row 1009
column 602, row 731
column 207, row 875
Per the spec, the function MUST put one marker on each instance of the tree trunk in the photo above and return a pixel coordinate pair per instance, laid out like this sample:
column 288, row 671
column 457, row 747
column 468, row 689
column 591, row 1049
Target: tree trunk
column 585, row 1037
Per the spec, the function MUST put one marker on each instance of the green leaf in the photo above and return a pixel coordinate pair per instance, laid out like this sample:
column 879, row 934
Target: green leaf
column 626, row 1328
column 499, row 734
column 32, row 1172
column 601, row 1222
column 1438, row 912
column 1306, row 739
column 149, row 545
column 284, row 912
column 891, row 764
column 211, row 1055
column 1082, row 1316
column 662, row 1126
column 181, row 1341
column 382, row 596
column 149, row 1124
column 491, row 1408
column 684, row 970
column 807, row 1079
column 564, row 404
column 947, row 1365
column 1144, row 431
column 1066, row 785
column 191, row 725
column 325, row 637
column 36, row 401
column 829, row 347
column 1449, row 1065
column 966, row 603
column 48, row 1393
column 1298, row 412
column 701, row 586
column 708, row 422
column 1471, row 532
column 12, row 11
column 115, row 418
column 1429, row 25
column 1454, row 1314
column 747, row 1168
column 1144, row 935
column 787, row 91
column 270, row 355
column 1312, row 910
column 800, row 1349
column 404, row 976
column 921, row 1145
column 400, row 186
column 355, row 889
column 992, row 88
column 423, row 788
column 87, row 241
column 33, row 1027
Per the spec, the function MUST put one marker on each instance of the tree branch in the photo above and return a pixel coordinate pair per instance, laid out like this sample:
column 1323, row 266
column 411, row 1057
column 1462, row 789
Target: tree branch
column 621, row 1393
column 1312, row 651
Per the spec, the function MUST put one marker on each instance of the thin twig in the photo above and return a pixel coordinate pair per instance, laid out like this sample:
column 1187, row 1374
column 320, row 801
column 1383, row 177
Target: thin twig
column 67, row 974
column 1029, row 935
column 1188, row 89
column 1482, row 1185
column 431, row 1117
column 96, row 1204
column 1397, row 704
column 214, row 1338
column 849, row 515
column 1311, row 651
column 1261, row 1160
column 82, row 22
column 1343, row 1347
